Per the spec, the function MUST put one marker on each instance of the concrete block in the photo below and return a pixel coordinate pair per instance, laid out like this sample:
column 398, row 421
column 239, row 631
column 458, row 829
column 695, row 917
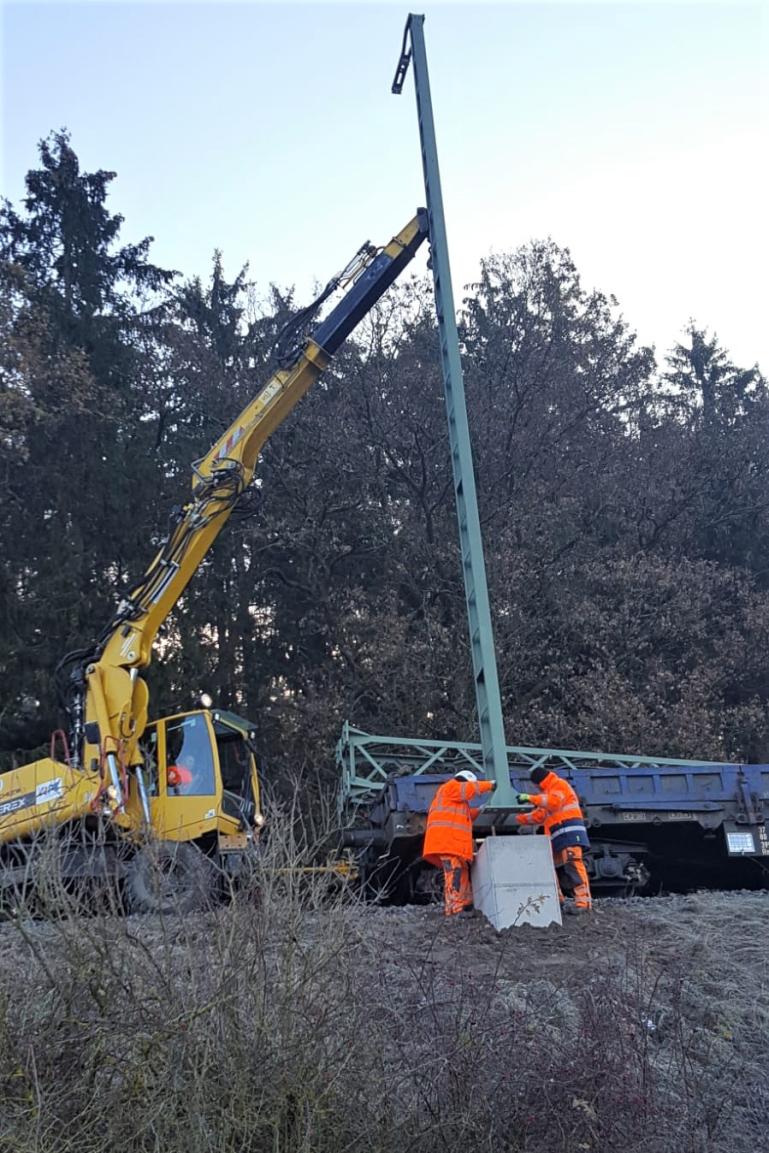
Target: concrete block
column 514, row 882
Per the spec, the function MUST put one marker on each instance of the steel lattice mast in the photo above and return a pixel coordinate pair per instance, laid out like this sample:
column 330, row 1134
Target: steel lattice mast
column 487, row 694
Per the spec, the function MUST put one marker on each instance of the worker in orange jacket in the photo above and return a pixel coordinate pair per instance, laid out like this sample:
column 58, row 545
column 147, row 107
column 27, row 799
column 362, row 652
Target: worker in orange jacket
column 449, row 836
column 557, row 808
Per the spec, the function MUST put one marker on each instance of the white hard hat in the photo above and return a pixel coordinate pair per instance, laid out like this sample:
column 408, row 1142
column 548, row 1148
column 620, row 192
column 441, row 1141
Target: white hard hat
column 465, row 775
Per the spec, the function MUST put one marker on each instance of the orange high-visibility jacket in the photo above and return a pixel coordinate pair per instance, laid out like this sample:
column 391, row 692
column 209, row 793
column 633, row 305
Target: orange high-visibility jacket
column 449, row 831
column 558, row 810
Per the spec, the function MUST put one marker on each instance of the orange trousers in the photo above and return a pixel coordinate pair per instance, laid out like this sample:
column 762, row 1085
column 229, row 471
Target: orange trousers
column 457, row 891
column 569, row 862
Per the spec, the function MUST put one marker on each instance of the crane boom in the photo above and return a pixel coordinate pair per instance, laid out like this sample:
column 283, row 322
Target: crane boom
column 107, row 698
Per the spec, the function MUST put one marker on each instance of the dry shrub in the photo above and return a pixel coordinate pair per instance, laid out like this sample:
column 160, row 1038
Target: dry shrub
column 286, row 1021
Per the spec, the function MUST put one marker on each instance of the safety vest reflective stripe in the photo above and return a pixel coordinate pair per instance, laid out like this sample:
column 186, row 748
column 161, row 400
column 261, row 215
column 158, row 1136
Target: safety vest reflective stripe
column 449, row 822
column 570, row 822
column 459, row 812
column 558, row 809
column 563, row 835
column 571, row 834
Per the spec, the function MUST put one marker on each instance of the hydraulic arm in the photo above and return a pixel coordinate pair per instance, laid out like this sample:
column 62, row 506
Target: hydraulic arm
column 105, row 695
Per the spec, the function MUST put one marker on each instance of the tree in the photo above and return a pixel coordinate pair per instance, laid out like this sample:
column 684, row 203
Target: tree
column 624, row 509
column 722, row 412
column 75, row 444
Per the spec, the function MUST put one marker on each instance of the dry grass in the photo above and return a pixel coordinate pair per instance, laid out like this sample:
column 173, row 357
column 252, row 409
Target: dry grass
column 295, row 1020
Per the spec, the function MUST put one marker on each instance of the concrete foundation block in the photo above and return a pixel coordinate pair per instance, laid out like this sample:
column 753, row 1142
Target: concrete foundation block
column 514, row 882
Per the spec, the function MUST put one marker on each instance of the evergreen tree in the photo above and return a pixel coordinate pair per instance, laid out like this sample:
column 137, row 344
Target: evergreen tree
column 722, row 412
column 76, row 440
column 625, row 510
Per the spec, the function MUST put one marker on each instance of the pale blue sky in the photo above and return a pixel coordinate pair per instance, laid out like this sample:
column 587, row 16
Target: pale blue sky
column 635, row 134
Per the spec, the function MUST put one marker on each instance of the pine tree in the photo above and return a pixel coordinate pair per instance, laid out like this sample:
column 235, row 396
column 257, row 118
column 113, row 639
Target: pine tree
column 78, row 505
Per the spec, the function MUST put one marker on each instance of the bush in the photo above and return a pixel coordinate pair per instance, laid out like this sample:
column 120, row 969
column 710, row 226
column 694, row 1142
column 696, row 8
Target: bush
column 292, row 1019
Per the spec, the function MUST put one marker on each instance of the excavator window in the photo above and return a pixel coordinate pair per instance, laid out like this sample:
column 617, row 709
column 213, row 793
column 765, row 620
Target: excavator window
column 234, row 761
column 189, row 757
column 149, row 750
column 235, row 767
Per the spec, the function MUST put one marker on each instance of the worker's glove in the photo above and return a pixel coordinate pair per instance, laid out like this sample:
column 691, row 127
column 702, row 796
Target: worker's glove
column 524, row 799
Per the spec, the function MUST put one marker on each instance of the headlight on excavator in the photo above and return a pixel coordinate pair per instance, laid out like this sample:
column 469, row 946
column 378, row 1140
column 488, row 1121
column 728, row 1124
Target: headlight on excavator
column 259, row 820
column 111, row 792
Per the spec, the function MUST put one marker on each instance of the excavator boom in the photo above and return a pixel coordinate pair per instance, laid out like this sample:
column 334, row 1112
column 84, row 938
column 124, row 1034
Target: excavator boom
column 107, row 698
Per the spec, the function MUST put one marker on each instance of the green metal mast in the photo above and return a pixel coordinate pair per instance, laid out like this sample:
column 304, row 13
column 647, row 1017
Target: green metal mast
column 488, row 699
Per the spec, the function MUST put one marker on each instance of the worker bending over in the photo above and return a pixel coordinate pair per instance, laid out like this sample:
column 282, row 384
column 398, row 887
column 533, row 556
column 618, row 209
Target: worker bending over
column 557, row 808
column 449, row 836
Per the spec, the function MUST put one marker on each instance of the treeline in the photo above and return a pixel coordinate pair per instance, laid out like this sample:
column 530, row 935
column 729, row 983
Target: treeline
column 624, row 500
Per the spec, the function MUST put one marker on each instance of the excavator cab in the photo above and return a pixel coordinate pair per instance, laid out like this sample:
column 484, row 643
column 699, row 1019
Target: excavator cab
column 202, row 780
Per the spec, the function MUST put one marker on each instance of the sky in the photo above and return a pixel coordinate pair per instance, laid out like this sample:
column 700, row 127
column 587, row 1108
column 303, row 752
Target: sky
column 636, row 135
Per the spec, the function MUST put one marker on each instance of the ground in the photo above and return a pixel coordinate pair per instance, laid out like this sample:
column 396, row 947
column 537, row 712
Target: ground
column 277, row 1025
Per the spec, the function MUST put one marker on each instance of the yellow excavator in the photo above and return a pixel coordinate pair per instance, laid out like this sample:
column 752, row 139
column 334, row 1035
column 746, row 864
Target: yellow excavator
column 179, row 796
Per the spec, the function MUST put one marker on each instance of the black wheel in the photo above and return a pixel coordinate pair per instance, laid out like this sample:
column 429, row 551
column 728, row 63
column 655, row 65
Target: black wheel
column 427, row 884
column 166, row 877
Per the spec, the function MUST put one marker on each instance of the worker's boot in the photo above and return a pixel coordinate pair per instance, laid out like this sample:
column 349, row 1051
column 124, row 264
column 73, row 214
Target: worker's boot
column 575, row 910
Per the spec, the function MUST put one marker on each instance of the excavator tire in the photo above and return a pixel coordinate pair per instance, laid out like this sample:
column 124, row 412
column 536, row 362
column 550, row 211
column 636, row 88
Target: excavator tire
column 166, row 877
